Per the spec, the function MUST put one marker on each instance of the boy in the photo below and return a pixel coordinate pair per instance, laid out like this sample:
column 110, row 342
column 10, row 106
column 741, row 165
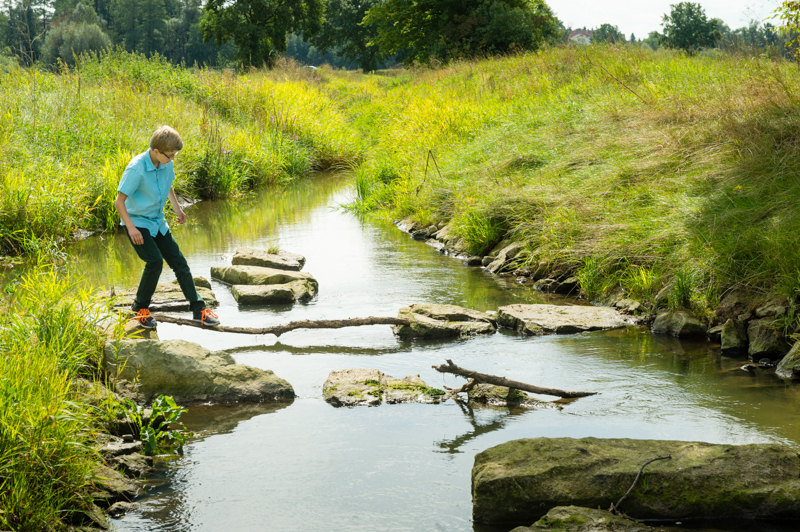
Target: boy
column 145, row 186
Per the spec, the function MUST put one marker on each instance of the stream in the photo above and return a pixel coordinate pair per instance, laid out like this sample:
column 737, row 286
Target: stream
column 305, row 465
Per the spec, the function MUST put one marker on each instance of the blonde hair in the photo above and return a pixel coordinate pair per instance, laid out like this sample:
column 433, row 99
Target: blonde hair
column 166, row 139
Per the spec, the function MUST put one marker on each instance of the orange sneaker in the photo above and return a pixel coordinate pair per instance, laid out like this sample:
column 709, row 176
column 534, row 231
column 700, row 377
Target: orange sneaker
column 205, row 317
column 146, row 319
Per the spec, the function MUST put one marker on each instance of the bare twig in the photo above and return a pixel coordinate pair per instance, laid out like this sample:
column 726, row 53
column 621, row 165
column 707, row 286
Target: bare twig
column 278, row 330
column 615, row 507
column 502, row 381
column 425, row 176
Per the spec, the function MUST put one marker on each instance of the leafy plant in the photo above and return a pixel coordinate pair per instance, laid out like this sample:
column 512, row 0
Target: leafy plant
column 157, row 431
column 680, row 292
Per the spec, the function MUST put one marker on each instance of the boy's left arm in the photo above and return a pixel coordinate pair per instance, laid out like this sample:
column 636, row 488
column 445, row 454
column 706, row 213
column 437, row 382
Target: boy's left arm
column 176, row 207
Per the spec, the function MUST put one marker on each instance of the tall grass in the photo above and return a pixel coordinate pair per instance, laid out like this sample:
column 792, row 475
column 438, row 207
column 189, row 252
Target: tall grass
column 67, row 137
column 49, row 340
column 655, row 162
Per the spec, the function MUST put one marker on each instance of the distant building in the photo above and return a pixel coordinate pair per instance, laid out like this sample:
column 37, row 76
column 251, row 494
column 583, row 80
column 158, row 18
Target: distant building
column 581, row 36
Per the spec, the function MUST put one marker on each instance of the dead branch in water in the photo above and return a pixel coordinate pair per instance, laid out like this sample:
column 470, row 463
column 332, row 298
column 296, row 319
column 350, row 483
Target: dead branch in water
column 278, row 330
column 502, row 381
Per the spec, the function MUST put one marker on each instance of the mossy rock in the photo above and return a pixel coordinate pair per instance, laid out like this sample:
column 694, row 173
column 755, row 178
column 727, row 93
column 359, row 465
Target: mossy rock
column 282, row 260
column 517, row 482
column 370, row 387
column 542, row 319
column 492, row 395
column 679, row 323
column 578, row 519
column 257, row 275
column 168, row 297
column 429, row 320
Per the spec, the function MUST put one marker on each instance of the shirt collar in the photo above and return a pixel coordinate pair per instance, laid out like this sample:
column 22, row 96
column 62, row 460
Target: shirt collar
column 148, row 162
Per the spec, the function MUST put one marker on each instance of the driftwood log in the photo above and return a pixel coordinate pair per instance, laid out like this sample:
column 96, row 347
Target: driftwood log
column 278, row 330
column 476, row 377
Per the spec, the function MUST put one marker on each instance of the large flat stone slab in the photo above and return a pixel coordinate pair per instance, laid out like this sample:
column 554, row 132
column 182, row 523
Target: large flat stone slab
column 300, row 290
column 518, row 481
column 370, row 387
column 257, row 275
column 429, row 320
column 167, row 297
column 548, row 319
column 188, row 372
column 282, row 260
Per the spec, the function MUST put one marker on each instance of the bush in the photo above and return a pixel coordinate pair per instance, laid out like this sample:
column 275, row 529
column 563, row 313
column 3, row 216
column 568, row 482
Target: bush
column 66, row 42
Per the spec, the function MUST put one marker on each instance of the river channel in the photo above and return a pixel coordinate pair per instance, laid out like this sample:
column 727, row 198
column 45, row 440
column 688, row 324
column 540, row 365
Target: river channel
column 307, row 466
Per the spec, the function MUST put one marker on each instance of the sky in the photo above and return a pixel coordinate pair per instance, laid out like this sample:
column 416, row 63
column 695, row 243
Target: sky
column 643, row 16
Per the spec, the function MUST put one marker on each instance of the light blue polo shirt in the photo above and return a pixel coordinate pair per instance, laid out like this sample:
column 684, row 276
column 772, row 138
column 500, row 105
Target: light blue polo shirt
column 147, row 188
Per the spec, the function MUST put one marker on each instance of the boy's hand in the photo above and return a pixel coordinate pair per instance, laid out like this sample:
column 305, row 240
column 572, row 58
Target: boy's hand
column 181, row 217
column 136, row 236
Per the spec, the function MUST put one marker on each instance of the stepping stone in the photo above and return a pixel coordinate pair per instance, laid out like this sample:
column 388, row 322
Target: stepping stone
column 370, row 387
column 168, row 297
column 429, row 320
column 257, row 285
column 547, row 319
column 282, row 260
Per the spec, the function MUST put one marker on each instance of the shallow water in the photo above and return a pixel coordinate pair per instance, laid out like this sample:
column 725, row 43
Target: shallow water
column 305, row 465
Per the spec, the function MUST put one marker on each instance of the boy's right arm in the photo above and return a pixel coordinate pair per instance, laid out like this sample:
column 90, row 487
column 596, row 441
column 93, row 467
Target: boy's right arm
column 135, row 234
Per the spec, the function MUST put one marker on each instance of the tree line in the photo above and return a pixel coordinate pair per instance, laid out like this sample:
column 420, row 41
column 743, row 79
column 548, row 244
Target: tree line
column 363, row 33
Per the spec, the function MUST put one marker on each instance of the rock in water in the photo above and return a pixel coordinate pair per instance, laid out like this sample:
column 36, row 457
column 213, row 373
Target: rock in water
column 370, row 387
column 189, row 373
column 789, row 366
column 168, row 297
column 679, row 323
column 767, row 340
column 258, row 285
column 429, row 320
column 300, row 290
column 577, row 519
column 258, row 257
column 492, row 395
column 518, row 481
column 543, row 319
column 733, row 337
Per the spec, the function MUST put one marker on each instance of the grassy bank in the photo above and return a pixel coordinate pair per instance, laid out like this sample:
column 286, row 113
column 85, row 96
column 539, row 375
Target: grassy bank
column 67, row 138
column 632, row 168
column 635, row 169
column 48, row 420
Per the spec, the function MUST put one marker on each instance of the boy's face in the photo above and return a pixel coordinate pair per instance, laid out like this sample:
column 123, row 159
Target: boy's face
column 166, row 157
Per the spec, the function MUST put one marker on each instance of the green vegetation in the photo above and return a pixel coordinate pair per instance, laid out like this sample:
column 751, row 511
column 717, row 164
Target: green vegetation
column 68, row 137
column 634, row 168
column 161, row 432
column 48, row 417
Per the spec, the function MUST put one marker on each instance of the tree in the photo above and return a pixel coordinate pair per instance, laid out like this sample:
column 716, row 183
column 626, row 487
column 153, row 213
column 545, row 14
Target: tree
column 344, row 32
column 653, row 40
column 26, row 27
column 633, row 37
column 258, row 28
column 687, row 28
column 70, row 40
column 184, row 40
column 608, row 33
column 446, row 29
column 789, row 14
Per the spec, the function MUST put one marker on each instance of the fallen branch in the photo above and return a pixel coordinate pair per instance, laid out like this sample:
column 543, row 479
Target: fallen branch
column 466, row 388
column 615, row 507
column 502, row 381
column 278, row 330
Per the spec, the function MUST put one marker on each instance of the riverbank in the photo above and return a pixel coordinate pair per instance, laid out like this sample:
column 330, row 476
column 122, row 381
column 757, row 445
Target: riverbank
column 653, row 173
column 52, row 415
column 631, row 169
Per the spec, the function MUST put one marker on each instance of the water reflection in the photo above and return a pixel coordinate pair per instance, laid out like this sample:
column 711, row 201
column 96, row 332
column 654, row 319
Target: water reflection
column 486, row 420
